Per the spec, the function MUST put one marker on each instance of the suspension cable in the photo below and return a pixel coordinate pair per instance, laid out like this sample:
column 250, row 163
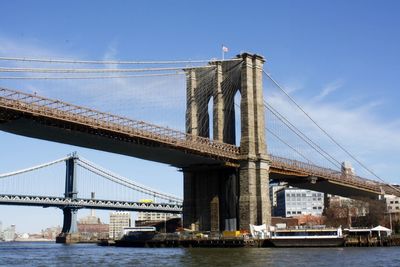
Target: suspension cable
column 87, row 77
column 291, row 147
column 93, row 70
column 108, row 173
column 303, row 138
column 4, row 175
column 112, row 62
column 286, row 121
column 325, row 132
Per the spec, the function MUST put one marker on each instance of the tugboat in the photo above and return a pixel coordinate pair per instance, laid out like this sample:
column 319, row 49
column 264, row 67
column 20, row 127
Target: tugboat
column 136, row 236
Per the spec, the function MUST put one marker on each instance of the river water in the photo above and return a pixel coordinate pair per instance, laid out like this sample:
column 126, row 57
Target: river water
column 50, row 254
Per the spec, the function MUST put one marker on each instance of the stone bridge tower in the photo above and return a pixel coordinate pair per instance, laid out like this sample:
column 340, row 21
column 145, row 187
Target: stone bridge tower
column 219, row 197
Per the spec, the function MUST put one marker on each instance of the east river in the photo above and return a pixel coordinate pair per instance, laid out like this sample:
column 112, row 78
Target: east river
column 50, row 254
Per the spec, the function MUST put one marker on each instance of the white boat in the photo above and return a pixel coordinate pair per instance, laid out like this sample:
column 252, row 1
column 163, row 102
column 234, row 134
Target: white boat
column 307, row 237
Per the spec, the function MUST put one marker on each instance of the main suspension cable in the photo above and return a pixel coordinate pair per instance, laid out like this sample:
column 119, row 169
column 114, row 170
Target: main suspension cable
column 93, row 70
column 88, row 77
column 112, row 62
column 325, row 132
column 303, row 138
column 293, row 128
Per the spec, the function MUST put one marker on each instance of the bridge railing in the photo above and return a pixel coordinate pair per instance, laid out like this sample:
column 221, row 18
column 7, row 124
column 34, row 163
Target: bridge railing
column 60, row 110
column 68, row 112
column 317, row 171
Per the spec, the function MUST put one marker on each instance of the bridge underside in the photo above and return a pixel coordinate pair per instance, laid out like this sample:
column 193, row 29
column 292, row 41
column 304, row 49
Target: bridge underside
column 324, row 186
column 79, row 135
column 214, row 204
column 62, row 132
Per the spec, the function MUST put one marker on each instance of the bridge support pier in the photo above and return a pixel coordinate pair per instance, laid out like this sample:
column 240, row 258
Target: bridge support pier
column 228, row 198
column 254, row 203
column 69, row 233
column 210, row 200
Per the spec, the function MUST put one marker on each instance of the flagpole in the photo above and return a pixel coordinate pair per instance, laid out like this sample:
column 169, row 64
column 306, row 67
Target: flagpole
column 223, row 53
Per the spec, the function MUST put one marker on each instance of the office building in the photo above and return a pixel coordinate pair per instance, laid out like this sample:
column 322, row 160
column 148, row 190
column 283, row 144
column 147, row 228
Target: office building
column 118, row 221
column 155, row 216
column 293, row 202
column 272, row 195
column 392, row 204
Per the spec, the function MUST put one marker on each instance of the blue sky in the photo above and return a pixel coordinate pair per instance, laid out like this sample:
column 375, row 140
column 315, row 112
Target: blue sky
column 340, row 59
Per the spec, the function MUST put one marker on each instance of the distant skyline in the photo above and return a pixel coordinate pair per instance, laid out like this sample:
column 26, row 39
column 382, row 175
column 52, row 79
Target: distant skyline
column 339, row 59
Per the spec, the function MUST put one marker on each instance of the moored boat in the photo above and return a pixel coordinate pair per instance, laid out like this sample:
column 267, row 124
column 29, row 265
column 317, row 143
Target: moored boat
column 319, row 237
column 136, row 236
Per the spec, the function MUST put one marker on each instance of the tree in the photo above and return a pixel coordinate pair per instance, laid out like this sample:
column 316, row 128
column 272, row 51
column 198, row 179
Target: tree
column 375, row 214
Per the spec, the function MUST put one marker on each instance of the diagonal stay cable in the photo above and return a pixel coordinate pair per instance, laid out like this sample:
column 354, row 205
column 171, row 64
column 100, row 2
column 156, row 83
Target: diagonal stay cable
column 291, row 147
column 326, row 133
column 292, row 127
column 300, row 135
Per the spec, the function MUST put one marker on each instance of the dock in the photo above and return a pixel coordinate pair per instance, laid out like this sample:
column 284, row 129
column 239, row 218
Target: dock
column 238, row 243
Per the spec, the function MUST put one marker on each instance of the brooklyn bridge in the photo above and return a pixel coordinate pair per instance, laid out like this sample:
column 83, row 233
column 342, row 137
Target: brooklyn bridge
column 227, row 162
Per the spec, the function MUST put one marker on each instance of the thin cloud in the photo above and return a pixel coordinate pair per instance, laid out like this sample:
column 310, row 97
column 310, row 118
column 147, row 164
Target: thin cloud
column 327, row 90
column 361, row 129
column 155, row 99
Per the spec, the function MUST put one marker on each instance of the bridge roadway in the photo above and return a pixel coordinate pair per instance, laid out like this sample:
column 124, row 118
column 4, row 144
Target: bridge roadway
column 54, row 120
column 82, row 203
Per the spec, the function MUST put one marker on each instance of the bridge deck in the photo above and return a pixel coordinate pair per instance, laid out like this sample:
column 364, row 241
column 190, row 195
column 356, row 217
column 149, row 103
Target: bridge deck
column 54, row 120
column 174, row 147
column 81, row 203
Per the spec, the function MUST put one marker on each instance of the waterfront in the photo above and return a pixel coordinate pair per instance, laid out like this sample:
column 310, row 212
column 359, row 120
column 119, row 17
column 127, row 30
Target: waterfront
column 50, row 254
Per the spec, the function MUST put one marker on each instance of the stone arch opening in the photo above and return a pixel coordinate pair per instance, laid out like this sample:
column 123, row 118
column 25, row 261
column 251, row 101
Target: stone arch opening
column 210, row 113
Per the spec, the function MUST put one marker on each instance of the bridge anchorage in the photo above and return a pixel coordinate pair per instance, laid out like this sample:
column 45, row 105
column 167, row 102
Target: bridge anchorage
column 226, row 185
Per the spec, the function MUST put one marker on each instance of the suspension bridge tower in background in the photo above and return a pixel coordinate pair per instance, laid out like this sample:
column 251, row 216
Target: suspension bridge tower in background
column 220, row 198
